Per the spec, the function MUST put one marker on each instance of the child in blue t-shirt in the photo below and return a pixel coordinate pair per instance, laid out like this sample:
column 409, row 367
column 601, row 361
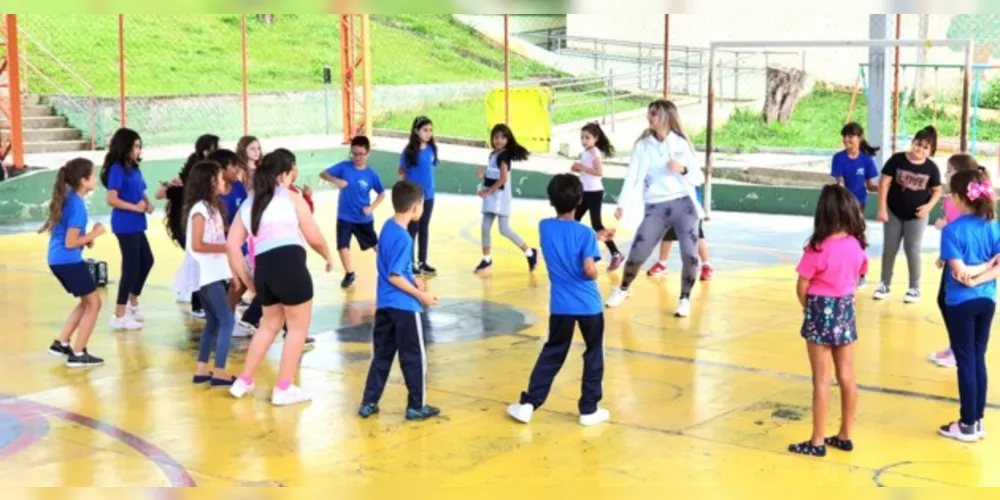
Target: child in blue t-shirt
column 417, row 163
column 970, row 245
column 129, row 207
column 570, row 252
column 399, row 302
column 67, row 224
column 854, row 167
column 354, row 207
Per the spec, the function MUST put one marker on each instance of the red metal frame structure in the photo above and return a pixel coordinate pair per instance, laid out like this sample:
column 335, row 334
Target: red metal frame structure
column 10, row 104
column 355, row 58
column 506, row 70
column 121, row 67
column 246, row 99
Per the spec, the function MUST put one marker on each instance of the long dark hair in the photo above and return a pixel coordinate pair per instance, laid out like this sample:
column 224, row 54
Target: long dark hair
column 928, row 134
column 512, row 151
column 602, row 143
column 837, row 211
column 412, row 151
column 120, row 151
column 225, row 157
column 200, row 186
column 853, row 129
column 974, row 188
column 265, row 181
column 176, row 217
column 202, row 147
column 70, row 175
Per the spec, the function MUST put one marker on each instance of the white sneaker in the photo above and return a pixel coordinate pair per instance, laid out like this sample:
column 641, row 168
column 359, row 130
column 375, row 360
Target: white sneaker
column 980, row 429
column 135, row 312
column 124, row 323
column 881, row 292
column 293, row 395
column 240, row 388
column 912, row 296
column 617, row 297
column 197, row 314
column 248, row 327
column 239, row 332
column 683, row 308
column 521, row 412
column 599, row 416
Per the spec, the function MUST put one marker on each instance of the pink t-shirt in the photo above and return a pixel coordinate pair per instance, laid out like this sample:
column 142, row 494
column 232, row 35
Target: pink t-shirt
column 950, row 210
column 834, row 270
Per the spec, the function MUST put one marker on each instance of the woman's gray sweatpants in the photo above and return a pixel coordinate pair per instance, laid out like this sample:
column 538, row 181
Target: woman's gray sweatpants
column 682, row 216
column 504, row 230
column 910, row 233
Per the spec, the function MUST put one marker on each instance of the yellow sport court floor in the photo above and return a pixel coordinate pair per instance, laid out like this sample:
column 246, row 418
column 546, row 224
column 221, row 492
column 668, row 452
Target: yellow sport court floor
column 709, row 400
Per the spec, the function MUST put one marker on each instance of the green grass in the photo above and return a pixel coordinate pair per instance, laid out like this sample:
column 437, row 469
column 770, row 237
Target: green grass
column 817, row 120
column 467, row 119
column 200, row 54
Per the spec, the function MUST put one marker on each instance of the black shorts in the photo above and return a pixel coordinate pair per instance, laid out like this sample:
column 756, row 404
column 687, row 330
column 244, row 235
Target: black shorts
column 75, row 278
column 364, row 233
column 281, row 277
column 672, row 235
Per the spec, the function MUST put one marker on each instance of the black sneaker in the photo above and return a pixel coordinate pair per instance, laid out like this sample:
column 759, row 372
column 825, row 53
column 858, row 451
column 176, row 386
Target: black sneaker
column 417, row 271
column 57, row 349
column 309, row 340
column 349, row 279
column 533, row 260
column 484, row 265
column 422, row 413
column 426, row 269
column 84, row 360
column 960, row 431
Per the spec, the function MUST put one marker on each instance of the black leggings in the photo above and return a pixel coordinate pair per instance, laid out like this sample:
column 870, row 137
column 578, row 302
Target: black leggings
column 137, row 261
column 423, row 229
column 592, row 202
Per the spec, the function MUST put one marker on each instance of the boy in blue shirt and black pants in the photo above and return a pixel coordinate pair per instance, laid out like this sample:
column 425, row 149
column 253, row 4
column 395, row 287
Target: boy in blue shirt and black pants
column 570, row 252
column 399, row 302
column 354, row 207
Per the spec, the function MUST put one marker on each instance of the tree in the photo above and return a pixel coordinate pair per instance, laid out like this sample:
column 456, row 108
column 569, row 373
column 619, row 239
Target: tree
column 784, row 88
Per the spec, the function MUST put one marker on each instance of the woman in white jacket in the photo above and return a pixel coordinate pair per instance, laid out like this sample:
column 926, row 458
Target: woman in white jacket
column 663, row 171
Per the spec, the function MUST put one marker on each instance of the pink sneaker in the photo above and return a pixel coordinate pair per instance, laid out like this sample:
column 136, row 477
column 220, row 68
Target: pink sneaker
column 656, row 270
column 616, row 262
column 943, row 358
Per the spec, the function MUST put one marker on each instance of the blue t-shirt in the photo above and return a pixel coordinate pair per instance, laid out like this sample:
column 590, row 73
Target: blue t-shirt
column 974, row 240
column 357, row 194
column 395, row 256
column 565, row 244
column 855, row 173
column 74, row 214
column 131, row 187
column 422, row 173
column 233, row 200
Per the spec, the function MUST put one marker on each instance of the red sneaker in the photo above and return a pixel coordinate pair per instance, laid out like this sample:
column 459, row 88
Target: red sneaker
column 706, row 272
column 616, row 262
column 656, row 270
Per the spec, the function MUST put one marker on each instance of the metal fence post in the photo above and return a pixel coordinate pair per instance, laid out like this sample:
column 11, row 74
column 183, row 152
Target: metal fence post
column 611, row 83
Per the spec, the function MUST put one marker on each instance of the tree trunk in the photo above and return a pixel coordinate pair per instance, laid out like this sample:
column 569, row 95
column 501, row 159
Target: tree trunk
column 784, row 87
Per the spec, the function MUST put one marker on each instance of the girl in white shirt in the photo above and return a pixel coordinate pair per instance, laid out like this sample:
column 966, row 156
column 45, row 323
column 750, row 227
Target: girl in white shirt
column 663, row 170
column 591, row 169
column 206, row 268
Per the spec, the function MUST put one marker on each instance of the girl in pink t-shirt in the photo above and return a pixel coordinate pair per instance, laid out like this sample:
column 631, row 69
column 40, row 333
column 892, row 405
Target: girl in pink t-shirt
column 832, row 263
column 945, row 358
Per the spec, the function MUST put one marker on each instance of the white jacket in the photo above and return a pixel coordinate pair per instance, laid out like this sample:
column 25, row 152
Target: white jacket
column 650, row 181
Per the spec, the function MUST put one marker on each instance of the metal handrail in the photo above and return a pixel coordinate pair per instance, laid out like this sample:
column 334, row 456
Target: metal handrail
column 91, row 93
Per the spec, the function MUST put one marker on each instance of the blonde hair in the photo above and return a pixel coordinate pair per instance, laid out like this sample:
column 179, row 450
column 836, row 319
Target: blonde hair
column 668, row 110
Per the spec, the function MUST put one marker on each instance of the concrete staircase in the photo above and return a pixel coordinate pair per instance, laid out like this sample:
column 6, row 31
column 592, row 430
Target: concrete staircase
column 44, row 130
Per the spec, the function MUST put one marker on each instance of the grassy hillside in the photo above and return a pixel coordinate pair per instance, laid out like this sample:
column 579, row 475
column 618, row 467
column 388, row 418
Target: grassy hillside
column 199, row 54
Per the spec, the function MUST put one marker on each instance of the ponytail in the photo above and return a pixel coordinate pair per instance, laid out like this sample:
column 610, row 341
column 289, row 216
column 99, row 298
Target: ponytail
column 602, row 143
column 868, row 149
column 69, row 176
column 56, row 203
column 265, row 182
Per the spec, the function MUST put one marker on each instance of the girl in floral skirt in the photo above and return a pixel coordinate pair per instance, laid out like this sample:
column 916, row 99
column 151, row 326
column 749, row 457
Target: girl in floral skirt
column 833, row 262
